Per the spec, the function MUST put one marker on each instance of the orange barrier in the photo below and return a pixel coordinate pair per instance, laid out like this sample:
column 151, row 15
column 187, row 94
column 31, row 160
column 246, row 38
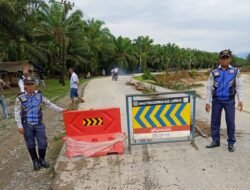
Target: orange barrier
column 94, row 126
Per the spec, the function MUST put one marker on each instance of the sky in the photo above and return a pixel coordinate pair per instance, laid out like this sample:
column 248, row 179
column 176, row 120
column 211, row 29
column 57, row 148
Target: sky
column 209, row 25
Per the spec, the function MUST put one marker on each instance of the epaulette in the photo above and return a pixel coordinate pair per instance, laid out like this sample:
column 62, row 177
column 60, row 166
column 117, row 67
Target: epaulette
column 38, row 91
column 236, row 69
column 20, row 93
column 214, row 69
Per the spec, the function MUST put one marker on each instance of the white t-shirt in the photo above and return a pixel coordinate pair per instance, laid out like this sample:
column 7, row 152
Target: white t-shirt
column 21, row 84
column 116, row 70
column 74, row 80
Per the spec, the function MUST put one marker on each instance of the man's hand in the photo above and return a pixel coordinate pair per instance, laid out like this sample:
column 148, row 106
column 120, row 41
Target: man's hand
column 21, row 131
column 207, row 107
column 240, row 106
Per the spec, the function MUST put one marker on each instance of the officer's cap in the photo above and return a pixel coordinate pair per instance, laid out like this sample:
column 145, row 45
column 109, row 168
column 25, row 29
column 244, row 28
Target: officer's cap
column 29, row 80
column 225, row 53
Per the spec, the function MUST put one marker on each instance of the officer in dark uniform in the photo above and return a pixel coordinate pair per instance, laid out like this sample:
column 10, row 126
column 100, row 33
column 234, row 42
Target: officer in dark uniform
column 223, row 84
column 28, row 116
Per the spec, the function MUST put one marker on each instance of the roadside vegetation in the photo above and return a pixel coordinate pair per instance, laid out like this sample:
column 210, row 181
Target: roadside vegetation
column 177, row 80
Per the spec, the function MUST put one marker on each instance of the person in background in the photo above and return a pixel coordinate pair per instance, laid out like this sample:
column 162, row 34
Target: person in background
column 2, row 98
column 88, row 75
column 103, row 72
column 115, row 73
column 223, row 84
column 112, row 74
column 28, row 116
column 21, row 79
column 74, row 85
column 41, row 80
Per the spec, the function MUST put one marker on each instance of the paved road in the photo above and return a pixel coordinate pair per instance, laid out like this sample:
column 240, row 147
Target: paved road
column 160, row 166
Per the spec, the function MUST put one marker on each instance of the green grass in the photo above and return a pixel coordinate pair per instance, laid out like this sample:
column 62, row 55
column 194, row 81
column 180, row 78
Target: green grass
column 139, row 78
column 54, row 90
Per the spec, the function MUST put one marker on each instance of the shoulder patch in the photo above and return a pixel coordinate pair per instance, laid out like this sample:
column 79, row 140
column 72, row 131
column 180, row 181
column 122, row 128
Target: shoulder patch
column 215, row 73
column 22, row 97
column 232, row 71
column 38, row 95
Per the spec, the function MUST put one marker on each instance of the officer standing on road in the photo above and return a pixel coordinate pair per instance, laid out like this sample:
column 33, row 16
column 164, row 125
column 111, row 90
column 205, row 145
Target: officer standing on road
column 223, row 84
column 28, row 116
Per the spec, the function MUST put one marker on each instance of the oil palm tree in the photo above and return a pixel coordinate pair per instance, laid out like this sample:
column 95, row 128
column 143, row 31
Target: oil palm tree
column 16, row 37
column 143, row 45
column 123, row 53
column 98, row 40
column 60, row 31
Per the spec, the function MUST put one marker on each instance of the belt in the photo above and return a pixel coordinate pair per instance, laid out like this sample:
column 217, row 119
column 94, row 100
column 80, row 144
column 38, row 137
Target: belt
column 32, row 123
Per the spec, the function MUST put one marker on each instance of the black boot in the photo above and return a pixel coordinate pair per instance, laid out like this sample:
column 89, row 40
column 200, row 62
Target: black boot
column 36, row 165
column 213, row 145
column 42, row 161
column 34, row 158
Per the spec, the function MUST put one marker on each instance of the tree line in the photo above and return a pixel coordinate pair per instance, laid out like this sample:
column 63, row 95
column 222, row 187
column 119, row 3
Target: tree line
column 43, row 32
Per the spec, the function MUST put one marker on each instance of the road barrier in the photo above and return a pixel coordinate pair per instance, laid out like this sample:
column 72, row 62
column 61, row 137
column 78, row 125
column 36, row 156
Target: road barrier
column 160, row 117
column 94, row 131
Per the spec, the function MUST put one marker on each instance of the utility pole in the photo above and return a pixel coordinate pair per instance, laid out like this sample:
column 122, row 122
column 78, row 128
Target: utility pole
column 66, row 5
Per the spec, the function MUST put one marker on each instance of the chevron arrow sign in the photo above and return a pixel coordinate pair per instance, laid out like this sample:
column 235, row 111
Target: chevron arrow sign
column 165, row 115
column 92, row 121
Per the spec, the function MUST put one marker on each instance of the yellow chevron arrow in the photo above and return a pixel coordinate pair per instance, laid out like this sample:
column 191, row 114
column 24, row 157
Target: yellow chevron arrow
column 95, row 121
column 173, row 114
column 143, row 114
column 135, row 124
column 88, row 122
column 185, row 114
column 152, row 116
column 163, row 115
column 99, row 121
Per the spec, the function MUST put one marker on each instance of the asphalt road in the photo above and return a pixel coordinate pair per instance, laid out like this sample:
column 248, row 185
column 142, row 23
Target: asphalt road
column 158, row 166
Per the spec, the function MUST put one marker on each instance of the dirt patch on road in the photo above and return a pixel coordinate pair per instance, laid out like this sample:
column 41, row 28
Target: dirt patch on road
column 203, row 129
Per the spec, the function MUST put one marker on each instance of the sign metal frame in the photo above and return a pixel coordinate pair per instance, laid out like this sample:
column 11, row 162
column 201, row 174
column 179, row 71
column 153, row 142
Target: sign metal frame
column 175, row 97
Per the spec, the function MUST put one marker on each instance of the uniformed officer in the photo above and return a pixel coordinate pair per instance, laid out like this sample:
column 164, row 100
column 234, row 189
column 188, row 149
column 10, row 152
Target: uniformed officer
column 223, row 84
column 28, row 116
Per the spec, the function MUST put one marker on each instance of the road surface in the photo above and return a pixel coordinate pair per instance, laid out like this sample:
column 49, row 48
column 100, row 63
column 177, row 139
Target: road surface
column 159, row 166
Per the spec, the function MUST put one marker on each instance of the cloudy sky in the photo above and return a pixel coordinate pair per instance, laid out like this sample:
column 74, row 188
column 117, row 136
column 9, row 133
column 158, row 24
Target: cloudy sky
column 210, row 25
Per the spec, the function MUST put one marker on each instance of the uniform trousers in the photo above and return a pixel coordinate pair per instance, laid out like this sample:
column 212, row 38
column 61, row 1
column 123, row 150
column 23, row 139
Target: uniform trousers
column 35, row 133
column 217, row 107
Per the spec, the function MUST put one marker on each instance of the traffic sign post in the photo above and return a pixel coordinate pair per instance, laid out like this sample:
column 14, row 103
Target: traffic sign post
column 167, row 117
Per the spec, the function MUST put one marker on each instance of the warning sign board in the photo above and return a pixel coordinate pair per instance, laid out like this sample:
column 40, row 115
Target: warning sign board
column 161, row 118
